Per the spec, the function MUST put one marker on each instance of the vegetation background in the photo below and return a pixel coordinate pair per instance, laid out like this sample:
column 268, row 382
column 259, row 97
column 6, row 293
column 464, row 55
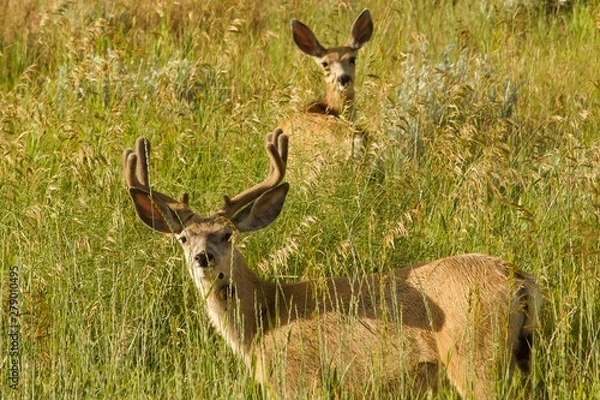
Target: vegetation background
column 485, row 117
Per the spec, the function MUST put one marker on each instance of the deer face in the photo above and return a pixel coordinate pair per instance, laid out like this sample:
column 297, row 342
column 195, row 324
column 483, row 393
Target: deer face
column 338, row 63
column 339, row 66
column 206, row 241
column 208, row 249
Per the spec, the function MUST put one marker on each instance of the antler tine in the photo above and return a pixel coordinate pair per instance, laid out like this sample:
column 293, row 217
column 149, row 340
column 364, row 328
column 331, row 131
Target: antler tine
column 280, row 141
column 142, row 149
column 136, row 166
column 126, row 168
column 136, row 170
column 282, row 147
column 277, row 150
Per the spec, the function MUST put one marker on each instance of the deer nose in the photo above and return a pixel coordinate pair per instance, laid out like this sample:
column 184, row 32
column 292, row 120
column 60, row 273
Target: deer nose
column 203, row 258
column 344, row 80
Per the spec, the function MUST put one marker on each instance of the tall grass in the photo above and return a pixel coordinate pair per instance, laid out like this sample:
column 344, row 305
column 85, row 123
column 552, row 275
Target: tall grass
column 485, row 117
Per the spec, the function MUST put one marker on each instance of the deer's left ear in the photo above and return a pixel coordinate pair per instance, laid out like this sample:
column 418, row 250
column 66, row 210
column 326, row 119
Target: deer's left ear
column 362, row 30
column 261, row 212
column 306, row 40
column 156, row 212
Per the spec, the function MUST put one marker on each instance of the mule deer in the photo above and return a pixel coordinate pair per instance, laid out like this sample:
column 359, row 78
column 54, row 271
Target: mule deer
column 327, row 123
column 472, row 316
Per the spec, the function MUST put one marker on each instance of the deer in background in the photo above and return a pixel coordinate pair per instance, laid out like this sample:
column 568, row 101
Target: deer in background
column 472, row 316
column 329, row 124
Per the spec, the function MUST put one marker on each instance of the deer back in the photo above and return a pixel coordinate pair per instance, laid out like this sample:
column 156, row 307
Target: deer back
column 453, row 314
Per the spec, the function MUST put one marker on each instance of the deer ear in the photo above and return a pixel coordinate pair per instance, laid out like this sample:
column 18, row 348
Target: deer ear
column 154, row 212
column 306, row 40
column 262, row 211
column 362, row 30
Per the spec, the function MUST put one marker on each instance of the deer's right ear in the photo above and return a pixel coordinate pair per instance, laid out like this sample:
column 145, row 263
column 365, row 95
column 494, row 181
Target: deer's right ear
column 362, row 30
column 155, row 213
column 306, row 40
column 262, row 211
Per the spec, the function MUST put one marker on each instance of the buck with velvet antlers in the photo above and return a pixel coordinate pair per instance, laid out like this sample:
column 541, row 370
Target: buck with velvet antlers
column 329, row 124
column 472, row 316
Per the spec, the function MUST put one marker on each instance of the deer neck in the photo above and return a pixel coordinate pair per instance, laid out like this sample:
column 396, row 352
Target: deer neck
column 335, row 102
column 247, row 306
column 237, row 307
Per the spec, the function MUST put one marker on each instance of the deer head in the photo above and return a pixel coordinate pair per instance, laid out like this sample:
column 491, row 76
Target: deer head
column 206, row 240
column 338, row 63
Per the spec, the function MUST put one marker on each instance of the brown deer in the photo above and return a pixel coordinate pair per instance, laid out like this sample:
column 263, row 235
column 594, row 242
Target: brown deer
column 329, row 124
column 472, row 316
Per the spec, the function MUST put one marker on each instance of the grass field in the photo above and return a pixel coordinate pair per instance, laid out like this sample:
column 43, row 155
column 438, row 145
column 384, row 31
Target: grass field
column 485, row 118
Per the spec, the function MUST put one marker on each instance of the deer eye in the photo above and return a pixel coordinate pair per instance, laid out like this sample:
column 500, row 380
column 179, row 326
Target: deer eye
column 226, row 237
column 182, row 239
column 324, row 64
column 352, row 60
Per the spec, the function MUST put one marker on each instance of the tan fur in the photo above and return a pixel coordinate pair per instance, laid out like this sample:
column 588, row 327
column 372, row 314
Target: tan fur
column 318, row 139
column 359, row 336
column 462, row 314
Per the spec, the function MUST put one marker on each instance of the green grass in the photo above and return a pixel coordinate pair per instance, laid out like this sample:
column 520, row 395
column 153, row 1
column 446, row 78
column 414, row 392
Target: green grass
column 486, row 121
